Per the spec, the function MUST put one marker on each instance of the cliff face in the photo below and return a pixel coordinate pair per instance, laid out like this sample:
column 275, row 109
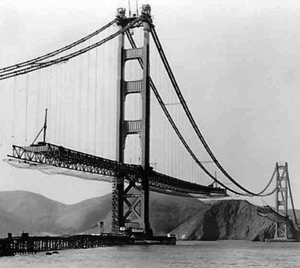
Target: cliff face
column 168, row 212
column 239, row 220
column 229, row 219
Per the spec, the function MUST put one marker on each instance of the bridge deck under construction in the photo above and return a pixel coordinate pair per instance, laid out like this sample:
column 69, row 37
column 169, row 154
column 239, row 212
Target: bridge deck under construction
column 44, row 156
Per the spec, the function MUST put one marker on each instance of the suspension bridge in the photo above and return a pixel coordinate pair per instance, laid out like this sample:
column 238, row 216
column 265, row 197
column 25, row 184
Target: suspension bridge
column 133, row 128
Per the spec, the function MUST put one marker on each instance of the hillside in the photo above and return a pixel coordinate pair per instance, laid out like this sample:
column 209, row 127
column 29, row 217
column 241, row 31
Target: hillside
column 29, row 212
column 24, row 211
column 229, row 219
column 188, row 218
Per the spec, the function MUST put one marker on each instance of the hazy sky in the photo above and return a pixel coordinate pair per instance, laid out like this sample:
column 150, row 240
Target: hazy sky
column 236, row 62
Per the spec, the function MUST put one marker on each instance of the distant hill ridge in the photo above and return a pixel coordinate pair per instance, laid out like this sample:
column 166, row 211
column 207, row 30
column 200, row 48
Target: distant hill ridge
column 188, row 218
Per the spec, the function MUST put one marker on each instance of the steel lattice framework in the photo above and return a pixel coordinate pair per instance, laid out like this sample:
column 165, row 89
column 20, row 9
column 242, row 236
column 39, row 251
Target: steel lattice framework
column 53, row 155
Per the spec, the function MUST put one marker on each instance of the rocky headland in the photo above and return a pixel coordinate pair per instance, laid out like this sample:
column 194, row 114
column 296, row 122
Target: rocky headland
column 188, row 218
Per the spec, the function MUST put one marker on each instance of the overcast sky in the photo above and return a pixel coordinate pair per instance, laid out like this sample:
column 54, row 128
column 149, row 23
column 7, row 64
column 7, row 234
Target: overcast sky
column 236, row 62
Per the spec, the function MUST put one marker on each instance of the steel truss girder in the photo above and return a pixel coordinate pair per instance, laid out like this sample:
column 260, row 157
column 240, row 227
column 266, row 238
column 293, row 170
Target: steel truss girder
column 281, row 230
column 115, row 197
column 134, row 202
column 58, row 156
column 61, row 157
column 163, row 181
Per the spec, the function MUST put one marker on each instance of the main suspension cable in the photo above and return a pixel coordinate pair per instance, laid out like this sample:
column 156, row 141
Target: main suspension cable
column 40, row 65
column 190, row 117
column 58, row 51
column 174, row 126
column 291, row 196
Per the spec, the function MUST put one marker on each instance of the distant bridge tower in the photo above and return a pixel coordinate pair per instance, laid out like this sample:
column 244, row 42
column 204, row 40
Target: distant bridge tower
column 130, row 205
column 282, row 194
column 281, row 200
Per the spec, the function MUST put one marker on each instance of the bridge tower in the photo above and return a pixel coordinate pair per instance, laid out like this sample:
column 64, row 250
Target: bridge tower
column 130, row 200
column 281, row 199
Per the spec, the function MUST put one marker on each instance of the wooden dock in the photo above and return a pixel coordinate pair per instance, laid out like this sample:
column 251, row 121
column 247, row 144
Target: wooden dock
column 26, row 244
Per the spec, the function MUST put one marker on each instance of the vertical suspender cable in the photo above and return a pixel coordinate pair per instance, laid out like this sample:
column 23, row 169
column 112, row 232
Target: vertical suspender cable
column 39, row 88
column 49, row 91
column 87, row 101
column 103, row 102
column 63, row 100
column 171, row 121
column 95, row 103
column 290, row 192
column 14, row 110
column 190, row 117
column 57, row 102
column 26, row 108
column 80, row 101
column 73, row 94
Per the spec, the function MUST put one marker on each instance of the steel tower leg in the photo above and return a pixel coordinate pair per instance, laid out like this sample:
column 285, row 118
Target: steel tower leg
column 118, row 185
column 131, row 204
column 145, row 137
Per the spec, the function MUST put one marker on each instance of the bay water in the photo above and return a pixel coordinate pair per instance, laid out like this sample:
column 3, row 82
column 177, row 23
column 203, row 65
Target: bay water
column 184, row 254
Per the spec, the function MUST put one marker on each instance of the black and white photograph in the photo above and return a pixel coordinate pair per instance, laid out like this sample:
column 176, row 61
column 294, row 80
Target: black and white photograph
column 149, row 133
